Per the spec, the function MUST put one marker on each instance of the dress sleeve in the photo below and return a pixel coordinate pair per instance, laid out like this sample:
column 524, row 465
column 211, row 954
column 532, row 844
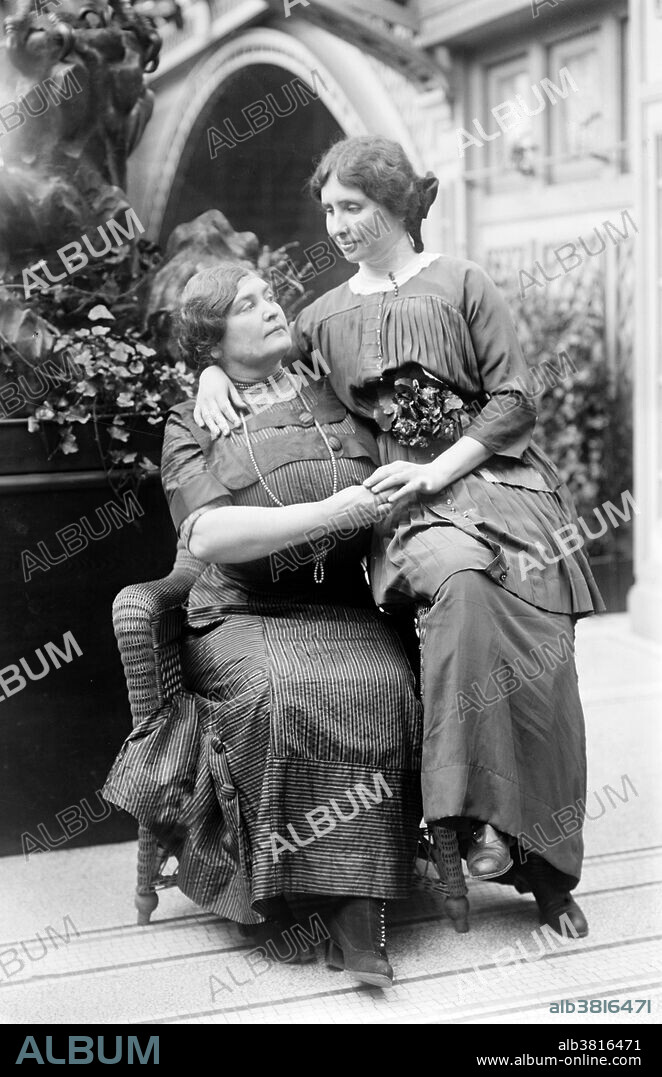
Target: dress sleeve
column 187, row 482
column 505, row 424
column 302, row 335
column 186, row 527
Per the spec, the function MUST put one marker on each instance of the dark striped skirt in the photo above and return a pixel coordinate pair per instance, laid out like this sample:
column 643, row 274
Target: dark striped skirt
column 292, row 766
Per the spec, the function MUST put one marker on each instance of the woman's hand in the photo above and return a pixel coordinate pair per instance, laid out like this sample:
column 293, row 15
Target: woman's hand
column 214, row 405
column 356, row 505
column 402, row 479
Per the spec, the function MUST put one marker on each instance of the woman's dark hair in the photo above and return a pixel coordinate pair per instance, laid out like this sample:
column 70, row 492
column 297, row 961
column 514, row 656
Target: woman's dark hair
column 202, row 315
column 381, row 169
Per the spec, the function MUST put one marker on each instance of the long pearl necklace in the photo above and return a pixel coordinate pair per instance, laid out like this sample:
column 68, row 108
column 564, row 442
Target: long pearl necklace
column 320, row 558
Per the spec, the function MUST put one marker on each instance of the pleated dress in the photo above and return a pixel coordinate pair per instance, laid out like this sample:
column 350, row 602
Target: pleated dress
column 503, row 724
column 293, row 765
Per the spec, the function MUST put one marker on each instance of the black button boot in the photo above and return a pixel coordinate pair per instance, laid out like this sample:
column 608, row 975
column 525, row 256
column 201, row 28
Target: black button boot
column 358, row 941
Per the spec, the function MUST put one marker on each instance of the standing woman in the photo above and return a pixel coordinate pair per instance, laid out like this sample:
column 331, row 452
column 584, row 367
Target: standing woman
column 504, row 744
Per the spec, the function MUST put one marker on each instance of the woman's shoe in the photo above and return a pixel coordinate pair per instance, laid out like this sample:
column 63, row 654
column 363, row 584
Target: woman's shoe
column 357, row 941
column 281, row 936
column 489, row 853
column 557, row 907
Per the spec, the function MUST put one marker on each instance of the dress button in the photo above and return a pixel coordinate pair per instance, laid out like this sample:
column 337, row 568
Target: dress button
column 466, row 515
column 448, row 501
column 227, row 792
column 306, row 418
column 217, row 744
column 503, row 577
column 335, row 443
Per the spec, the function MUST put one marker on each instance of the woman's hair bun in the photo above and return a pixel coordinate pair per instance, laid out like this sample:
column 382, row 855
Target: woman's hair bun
column 427, row 187
column 423, row 195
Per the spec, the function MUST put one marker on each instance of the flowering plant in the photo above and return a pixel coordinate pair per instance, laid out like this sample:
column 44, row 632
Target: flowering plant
column 584, row 418
column 423, row 409
column 110, row 378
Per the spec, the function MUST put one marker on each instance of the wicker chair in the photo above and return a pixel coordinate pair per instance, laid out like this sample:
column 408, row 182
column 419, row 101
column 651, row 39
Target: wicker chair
column 148, row 619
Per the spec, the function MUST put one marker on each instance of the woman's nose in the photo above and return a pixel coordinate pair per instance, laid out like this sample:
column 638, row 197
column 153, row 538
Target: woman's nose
column 337, row 225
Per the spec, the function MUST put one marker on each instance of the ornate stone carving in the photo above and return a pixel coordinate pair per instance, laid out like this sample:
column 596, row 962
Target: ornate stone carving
column 195, row 245
column 80, row 106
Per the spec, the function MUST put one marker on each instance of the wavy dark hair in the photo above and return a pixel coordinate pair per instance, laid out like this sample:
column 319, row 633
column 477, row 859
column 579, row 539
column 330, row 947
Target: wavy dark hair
column 381, row 169
column 201, row 319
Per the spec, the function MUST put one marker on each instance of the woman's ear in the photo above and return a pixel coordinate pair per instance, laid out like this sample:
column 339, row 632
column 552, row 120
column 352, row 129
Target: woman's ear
column 216, row 352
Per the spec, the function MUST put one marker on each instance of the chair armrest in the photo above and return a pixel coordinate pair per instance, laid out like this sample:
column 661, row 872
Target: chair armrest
column 148, row 619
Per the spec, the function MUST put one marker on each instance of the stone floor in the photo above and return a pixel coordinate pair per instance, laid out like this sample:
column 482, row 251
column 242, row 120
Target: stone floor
column 96, row 965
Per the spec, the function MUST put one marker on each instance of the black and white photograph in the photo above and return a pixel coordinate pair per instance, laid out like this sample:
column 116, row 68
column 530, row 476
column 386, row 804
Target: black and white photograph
column 331, row 502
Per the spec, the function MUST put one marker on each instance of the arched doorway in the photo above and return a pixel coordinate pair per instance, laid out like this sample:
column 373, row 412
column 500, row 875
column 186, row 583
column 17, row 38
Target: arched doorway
column 258, row 180
column 258, row 183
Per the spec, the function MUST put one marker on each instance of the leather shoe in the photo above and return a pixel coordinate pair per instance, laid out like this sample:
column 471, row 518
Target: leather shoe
column 357, row 941
column 563, row 915
column 557, row 907
column 489, row 853
column 281, row 936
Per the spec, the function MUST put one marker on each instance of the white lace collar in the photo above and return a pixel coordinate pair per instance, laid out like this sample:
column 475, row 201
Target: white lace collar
column 365, row 282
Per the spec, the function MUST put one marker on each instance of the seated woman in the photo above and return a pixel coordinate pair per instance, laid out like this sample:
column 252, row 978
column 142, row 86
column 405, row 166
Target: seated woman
column 307, row 752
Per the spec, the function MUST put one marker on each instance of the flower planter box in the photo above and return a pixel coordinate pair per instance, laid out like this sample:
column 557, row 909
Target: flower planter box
column 22, row 452
column 60, row 733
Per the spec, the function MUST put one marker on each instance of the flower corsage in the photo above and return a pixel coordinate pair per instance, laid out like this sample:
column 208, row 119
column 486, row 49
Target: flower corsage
column 423, row 409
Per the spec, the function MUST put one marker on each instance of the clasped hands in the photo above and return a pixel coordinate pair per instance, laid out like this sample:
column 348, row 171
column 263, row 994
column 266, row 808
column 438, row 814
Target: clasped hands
column 386, row 489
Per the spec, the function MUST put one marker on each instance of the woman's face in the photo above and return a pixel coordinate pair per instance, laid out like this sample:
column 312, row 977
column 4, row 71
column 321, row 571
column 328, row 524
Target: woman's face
column 256, row 334
column 362, row 229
